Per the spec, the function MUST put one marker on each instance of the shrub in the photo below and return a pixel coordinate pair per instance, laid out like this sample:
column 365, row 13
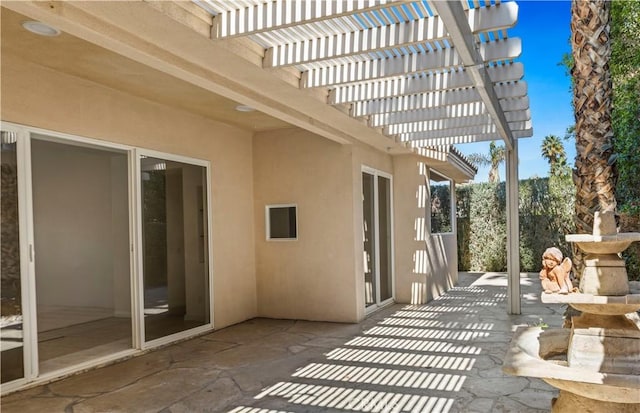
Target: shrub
column 546, row 209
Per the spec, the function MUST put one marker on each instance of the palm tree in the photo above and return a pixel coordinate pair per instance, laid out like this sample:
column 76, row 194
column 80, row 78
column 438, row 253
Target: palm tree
column 553, row 151
column 594, row 175
column 494, row 159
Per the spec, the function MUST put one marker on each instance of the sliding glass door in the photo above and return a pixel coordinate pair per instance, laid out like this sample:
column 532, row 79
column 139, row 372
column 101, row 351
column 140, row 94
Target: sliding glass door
column 370, row 238
column 81, row 237
column 377, row 235
column 174, row 244
column 105, row 252
column 384, row 239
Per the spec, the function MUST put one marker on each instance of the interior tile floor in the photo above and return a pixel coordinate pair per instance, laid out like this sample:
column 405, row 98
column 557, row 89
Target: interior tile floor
column 444, row 356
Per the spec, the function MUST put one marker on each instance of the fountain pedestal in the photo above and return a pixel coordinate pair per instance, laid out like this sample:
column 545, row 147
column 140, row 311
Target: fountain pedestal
column 604, row 274
column 611, row 349
column 596, row 364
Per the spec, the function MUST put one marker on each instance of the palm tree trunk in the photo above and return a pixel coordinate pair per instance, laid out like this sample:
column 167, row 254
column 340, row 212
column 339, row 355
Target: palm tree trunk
column 593, row 176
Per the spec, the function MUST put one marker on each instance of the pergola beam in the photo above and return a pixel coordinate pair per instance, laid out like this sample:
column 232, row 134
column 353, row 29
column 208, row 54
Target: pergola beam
column 456, row 140
column 453, row 16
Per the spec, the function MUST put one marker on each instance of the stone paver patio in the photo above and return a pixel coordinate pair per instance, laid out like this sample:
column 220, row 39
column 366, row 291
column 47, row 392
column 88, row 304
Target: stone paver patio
column 444, row 356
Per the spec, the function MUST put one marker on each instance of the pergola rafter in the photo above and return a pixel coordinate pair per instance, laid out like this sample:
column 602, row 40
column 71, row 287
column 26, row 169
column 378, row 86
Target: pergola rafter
column 430, row 140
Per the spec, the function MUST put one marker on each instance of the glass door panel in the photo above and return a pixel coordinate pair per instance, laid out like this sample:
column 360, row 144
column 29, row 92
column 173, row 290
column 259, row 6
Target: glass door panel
column 368, row 210
column 384, row 239
column 82, row 260
column 174, row 245
column 377, row 231
column 11, row 326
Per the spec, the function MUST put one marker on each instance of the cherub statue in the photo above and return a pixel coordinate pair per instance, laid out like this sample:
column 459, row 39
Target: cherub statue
column 554, row 275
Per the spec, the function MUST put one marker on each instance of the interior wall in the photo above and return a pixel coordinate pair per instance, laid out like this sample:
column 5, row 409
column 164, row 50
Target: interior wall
column 72, row 210
column 313, row 277
column 194, row 262
column 40, row 97
column 120, row 231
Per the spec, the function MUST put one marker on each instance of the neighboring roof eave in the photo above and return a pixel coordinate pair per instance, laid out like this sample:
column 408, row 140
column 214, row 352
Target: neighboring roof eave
column 450, row 162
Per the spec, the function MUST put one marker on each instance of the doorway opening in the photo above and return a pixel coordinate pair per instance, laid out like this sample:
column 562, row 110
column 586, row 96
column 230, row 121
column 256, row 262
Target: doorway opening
column 82, row 266
column 378, row 240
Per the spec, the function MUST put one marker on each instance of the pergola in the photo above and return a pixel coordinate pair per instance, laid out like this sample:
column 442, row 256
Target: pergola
column 401, row 76
column 425, row 74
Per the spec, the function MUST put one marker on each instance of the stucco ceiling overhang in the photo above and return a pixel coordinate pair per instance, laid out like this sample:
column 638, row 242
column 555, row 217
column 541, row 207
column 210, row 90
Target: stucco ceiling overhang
column 404, row 77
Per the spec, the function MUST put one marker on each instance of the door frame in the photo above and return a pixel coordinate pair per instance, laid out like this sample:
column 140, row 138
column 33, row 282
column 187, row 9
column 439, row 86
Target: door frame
column 376, row 208
column 138, row 153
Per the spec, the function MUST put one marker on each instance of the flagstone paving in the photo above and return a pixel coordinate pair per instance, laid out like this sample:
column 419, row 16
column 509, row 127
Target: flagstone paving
column 444, row 356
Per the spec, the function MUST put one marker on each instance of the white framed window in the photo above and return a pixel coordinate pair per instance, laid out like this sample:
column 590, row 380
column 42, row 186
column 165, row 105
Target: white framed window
column 281, row 222
column 441, row 197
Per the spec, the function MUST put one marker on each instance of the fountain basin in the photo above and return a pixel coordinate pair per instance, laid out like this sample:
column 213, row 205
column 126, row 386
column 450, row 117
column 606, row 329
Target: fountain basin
column 599, row 304
column 534, row 352
column 603, row 244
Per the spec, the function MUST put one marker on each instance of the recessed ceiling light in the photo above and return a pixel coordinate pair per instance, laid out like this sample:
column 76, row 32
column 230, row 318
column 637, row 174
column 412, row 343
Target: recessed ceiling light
column 40, row 28
column 244, row 108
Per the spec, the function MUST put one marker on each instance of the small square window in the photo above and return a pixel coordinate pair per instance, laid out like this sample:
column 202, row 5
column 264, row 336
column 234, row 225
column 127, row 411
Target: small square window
column 282, row 222
column 440, row 193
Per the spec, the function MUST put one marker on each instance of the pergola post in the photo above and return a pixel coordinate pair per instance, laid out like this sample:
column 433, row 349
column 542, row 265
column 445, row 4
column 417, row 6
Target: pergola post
column 513, row 231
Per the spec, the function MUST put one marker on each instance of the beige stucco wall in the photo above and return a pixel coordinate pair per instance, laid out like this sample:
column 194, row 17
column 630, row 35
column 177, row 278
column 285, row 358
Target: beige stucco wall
column 315, row 277
column 37, row 96
column 426, row 264
column 410, row 229
column 312, row 277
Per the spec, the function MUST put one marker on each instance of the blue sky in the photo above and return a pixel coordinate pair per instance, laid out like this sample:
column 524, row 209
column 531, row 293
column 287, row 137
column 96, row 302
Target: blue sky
column 544, row 28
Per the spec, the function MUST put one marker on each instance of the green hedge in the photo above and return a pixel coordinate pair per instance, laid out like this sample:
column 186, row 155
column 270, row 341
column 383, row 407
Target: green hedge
column 546, row 208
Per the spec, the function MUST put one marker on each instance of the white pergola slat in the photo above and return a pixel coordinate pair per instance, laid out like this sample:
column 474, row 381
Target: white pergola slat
column 422, row 73
column 418, row 84
column 441, row 113
column 259, row 17
column 441, row 125
column 485, row 129
column 442, row 59
column 384, row 37
column 430, row 100
column 461, row 139
column 515, row 104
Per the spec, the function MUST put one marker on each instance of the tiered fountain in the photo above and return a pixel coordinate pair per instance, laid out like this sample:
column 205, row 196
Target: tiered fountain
column 596, row 363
